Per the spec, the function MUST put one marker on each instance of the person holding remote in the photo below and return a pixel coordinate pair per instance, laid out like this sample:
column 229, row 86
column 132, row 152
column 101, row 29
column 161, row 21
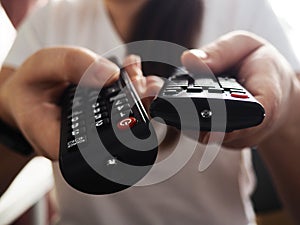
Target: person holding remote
column 37, row 71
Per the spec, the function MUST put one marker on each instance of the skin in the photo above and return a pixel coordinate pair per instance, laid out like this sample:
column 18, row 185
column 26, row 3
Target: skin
column 17, row 10
column 267, row 75
column 258, row 65
column 122, row 14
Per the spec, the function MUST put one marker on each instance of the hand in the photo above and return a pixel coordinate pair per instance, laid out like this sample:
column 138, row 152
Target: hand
column 147, row 87
column 268, row 76
column 263, row 71
column 29, row 96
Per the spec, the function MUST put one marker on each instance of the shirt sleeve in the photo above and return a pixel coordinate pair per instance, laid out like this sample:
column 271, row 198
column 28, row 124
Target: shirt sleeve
column 7, row 34
column 29, row 39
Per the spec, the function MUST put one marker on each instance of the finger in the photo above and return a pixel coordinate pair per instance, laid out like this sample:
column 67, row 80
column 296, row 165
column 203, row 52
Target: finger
column 133, row 67
column 257, row 71
column 262, row 75
column 69, row 64
column 44, row 136
column 225, row 52
column 147, row 87
column 150, row 84
column 154, row 84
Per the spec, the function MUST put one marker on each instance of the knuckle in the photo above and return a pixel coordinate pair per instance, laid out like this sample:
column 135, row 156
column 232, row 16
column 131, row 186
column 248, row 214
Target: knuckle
column 69, row 58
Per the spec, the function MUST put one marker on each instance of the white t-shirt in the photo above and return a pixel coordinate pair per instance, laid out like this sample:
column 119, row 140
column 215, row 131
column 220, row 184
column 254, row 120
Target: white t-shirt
column 220, row 194
column 7, row 34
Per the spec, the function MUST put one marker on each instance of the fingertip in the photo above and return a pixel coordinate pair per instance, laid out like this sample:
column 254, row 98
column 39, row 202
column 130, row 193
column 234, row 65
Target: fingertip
column 133, row 67
column 195, row 54
column 196, row 61
column 133, row 60
column 101, row 73
column 201, row 54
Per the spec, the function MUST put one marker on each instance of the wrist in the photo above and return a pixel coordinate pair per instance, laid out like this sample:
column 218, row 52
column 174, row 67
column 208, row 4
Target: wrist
column 5, row 114
column 14, row 140
column 287, row 133
column 10, row 136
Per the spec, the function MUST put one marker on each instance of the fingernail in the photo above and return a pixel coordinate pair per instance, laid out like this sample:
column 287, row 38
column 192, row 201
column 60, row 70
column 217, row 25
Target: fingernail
column 133, row 60
column 199, row 53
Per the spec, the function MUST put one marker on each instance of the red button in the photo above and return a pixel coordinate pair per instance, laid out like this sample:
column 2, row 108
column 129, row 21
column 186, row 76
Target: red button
column 127, row 123
column 239, row 95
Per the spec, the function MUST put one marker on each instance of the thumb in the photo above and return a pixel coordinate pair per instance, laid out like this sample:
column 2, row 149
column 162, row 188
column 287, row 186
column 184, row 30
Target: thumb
column 224, row 53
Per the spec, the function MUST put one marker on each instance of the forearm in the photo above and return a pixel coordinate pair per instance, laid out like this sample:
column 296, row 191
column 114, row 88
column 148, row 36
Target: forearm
column 281, row 153
column 5, row 74
column 11, row 164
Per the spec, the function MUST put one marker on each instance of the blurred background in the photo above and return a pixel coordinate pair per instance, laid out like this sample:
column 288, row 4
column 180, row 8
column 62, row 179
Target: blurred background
column 288, row 13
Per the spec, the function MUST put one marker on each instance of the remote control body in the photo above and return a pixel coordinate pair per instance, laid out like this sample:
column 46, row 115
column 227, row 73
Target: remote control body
column 221, row 104
column 103, row 135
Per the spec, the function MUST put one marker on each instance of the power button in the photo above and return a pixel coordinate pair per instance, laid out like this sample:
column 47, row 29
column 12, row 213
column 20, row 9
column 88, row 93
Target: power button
column 127, row 123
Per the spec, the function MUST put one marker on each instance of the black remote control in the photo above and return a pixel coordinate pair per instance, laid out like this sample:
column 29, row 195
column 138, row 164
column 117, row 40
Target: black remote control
column 107, row 143
column 187, row 101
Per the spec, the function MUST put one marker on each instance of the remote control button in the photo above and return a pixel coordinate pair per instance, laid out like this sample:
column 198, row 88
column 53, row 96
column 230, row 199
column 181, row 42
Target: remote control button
column 229, row 83
column 206, row 114
column 127, row 123
column 194, row 89
column 178, row 83
column 111, row 91
column 122, row 107
column 216, row 90
column 75, row 122
column 206, row 83
column 77, row 141
column 181, row 76
column 74, row 113
column 101, row 115
column 239, row 95
column 111, row 162
column 120, row 101
column 119, row 96
column 170, row 92
column 78, row 131
column 100, row 110
column 174, row 88
column 75, row 119
column 98, row 104
column 236, row 90
column 100, row 123
column 75, row 125
column 126, row 113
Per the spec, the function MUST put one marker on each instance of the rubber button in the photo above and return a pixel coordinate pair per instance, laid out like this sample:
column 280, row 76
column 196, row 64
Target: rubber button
column 216, row 90
column 239, row 95
column 194, row 89
column 127, row 123
column 236, row 90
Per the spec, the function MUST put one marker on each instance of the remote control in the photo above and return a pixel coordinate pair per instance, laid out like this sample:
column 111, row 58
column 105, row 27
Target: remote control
column 107, row 143
column 207, row 103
